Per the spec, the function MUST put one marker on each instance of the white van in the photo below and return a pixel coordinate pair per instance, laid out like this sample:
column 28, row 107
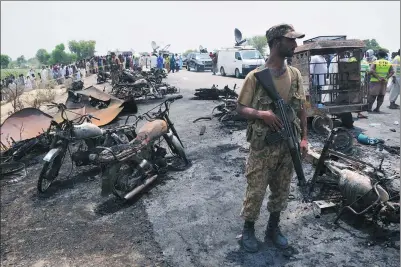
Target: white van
column 238, row 61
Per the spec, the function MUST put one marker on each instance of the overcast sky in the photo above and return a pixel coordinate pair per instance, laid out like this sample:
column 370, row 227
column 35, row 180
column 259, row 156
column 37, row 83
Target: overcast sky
column 28, row 26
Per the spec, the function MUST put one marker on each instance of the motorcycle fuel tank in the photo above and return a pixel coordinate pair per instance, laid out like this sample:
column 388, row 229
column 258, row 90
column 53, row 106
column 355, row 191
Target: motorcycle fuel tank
column 152, row 130
column 141, row 82
column 86, row 130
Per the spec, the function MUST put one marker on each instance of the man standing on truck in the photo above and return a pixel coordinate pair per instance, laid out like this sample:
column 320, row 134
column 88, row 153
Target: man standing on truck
column 395, row 90
column 380, row 71
column 271, row 164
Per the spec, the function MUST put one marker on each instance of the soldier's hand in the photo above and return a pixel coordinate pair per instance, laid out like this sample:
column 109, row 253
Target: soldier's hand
column 304, row 147
column 271, row 120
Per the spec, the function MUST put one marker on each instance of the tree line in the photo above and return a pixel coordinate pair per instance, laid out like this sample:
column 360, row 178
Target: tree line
column 259, row 42
column 79, row 50
column 84, row 49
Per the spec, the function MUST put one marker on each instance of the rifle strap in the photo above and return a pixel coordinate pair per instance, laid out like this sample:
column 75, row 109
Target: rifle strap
column 293, row 75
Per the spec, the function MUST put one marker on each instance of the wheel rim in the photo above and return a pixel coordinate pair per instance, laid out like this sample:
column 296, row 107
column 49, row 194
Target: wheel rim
column 319, row 122
column 129, row 177
column 342, row 141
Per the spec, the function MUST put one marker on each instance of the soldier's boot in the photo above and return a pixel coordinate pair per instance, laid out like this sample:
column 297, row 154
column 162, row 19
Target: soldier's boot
column 273, row 231
column 248, row 239
column 393, row 105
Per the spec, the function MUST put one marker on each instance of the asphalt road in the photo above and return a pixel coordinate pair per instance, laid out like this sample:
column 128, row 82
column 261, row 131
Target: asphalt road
column 188, row 218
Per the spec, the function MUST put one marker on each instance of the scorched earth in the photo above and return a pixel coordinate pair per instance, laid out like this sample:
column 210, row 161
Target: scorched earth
column 188, row 218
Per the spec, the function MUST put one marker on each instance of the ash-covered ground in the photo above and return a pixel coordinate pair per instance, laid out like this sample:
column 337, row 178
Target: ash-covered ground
column 188, row 218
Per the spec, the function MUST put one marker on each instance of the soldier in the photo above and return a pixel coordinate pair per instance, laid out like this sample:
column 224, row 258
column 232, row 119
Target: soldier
column 115, row 68
column 271, row 164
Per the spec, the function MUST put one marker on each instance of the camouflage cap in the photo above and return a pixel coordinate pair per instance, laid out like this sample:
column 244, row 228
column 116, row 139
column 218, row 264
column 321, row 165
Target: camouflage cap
column 283, row 30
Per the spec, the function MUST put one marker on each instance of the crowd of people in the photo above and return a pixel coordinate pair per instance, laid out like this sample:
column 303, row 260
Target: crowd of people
column 376, row 70
column 170, row 62
column 55, row 74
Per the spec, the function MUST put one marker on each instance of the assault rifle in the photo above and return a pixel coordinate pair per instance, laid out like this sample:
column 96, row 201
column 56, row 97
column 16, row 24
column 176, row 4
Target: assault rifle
column 286, row 133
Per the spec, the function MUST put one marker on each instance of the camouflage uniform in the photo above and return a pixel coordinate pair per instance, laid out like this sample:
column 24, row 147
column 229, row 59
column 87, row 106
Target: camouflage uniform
column 270, row 164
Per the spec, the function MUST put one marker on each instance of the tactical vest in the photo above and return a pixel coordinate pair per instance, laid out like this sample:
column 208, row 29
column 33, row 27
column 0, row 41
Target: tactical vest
column 257, row 130
column 382, row 67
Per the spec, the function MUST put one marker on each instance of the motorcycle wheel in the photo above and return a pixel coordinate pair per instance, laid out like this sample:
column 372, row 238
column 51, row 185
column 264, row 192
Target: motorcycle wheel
column 49, row 172
column 127, row 178
column 176, row 149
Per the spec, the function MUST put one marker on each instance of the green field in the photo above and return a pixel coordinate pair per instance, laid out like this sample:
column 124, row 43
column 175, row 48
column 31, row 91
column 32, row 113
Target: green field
column 16, row 72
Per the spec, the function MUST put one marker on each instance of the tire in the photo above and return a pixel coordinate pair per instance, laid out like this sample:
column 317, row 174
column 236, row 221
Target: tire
column 320, row 121
column 222, row 72
column 50, row 172
column 177, row 149
column 134, row 175
column 188, row 68
column 237, row 74
column 343, row 141
column 196, row 68
column 347, row 120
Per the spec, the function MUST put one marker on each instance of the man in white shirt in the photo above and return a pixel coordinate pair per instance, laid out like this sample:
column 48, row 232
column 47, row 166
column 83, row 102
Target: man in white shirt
column 318, row 72
column 395, row 90
column 44, row 76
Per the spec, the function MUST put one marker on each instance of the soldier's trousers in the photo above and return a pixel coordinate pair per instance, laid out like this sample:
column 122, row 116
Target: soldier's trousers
column 271, row 166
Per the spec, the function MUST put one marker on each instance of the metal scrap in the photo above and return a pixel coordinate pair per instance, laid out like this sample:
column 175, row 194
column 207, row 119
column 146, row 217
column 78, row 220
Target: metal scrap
column 25, row 124
column 97, row 103
column 365, row 187
column 135, row 84
column 77, row 85
column 214, row 93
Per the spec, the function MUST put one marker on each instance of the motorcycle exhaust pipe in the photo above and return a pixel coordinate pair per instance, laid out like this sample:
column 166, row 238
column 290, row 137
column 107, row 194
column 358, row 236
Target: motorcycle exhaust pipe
column 141, row 187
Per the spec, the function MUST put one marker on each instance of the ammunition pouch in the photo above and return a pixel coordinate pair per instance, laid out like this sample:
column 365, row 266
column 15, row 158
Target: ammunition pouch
column 259, row 135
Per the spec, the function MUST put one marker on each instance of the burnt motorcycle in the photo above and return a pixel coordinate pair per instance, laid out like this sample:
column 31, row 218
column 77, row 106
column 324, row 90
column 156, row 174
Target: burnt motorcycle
column 215, row 94
column 81, row 132
column 103, row 76
column 128, row 168
column 140, row 88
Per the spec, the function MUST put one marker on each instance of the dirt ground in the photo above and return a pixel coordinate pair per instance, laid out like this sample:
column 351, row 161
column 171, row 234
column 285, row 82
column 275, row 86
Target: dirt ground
column 188, row 218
